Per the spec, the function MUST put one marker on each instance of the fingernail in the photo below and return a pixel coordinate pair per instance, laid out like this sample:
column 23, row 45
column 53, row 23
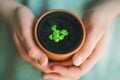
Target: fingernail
column 78, row 61
column 41, row 60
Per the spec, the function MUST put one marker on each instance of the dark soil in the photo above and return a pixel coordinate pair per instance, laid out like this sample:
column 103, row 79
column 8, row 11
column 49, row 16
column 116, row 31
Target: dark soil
column 63, row 21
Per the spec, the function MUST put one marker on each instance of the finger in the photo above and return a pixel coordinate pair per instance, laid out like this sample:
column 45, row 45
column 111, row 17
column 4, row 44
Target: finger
column 60, row 69
column 54, row 76
column 51, row 76
column 95, row 56
column 67, row 63
column 70, row 71
column 53, row 63
column 63, row 63
column 92, row 37
column 23, row 54
column 25, row 36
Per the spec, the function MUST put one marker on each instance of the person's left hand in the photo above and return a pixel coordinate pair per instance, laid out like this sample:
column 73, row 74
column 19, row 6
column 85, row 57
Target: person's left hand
column 97, row 20
column 66, row 70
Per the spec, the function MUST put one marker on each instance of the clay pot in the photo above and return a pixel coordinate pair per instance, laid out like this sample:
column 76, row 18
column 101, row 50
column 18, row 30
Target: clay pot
column 71, row 43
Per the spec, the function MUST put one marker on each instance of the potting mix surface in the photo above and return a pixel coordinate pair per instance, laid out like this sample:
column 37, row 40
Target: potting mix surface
column 62, row 21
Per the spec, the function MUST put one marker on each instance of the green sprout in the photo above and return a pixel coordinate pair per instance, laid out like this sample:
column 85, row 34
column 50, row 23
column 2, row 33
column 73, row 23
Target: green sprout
column 57, row 35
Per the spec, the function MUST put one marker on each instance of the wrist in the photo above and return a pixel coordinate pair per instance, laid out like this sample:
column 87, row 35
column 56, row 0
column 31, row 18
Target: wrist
column 117, row 7
column 7, row 9
column 112, row 6
column 109, row 8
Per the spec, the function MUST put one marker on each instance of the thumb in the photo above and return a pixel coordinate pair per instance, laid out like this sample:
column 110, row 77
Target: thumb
column 25, row 35
column 94, row 34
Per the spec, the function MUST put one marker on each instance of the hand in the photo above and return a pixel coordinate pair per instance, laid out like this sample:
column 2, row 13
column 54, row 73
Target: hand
column 97, row 21
column 21, row 22
column 22, row 32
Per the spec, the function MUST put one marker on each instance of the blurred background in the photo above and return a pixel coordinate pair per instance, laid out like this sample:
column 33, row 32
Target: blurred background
column 12, row 67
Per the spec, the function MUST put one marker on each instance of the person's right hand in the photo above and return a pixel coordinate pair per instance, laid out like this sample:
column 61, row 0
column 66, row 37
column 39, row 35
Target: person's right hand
column 21, row 22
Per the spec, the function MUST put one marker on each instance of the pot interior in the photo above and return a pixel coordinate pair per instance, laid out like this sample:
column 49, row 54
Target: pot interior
column 65, row 21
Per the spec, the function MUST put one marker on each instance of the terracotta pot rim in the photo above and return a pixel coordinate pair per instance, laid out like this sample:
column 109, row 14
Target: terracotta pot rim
column 52, row 53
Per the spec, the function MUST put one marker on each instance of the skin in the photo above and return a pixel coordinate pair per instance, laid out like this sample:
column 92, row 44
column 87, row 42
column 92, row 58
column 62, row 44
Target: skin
column 21, row 21
column 98, row 20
